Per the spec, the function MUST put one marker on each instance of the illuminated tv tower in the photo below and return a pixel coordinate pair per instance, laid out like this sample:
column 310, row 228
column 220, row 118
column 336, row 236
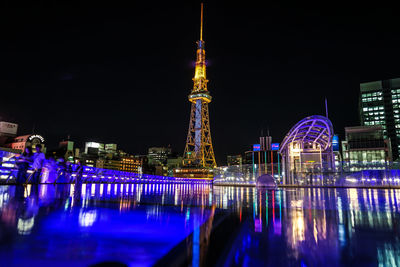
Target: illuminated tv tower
column 198, row 158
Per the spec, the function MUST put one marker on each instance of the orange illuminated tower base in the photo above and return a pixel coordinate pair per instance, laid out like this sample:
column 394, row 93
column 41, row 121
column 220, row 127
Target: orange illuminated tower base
column 194, row 173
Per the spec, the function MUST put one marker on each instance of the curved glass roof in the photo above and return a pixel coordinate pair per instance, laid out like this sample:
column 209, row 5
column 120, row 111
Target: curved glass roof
column 311, row 129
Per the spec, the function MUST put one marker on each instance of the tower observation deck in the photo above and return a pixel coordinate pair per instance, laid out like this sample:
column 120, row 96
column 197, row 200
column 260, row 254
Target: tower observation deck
column 198, row 157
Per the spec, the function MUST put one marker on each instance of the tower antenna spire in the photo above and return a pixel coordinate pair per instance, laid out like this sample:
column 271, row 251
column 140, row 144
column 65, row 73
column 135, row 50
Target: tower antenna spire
column 201, row 23
column 326, row 107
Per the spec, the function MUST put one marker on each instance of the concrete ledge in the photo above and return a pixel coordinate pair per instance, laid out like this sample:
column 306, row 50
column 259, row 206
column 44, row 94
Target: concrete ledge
column 341, row 186
column 319, row 186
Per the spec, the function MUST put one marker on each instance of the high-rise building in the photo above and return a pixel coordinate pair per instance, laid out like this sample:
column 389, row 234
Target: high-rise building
column 380, row 105
column 365, row 147
column 198, row 158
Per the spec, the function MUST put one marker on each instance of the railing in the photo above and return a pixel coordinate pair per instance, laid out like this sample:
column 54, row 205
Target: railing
column 379, row 174
column 363, row 174
column 363, row 178
column 245, row 174
column 53, row 173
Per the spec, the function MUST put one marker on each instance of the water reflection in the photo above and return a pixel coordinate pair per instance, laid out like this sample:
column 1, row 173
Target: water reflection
column 136, row 224
column 319, row 226
column 142, row 223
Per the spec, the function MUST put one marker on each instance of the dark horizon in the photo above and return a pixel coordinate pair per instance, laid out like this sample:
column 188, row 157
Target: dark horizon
column 123, row 75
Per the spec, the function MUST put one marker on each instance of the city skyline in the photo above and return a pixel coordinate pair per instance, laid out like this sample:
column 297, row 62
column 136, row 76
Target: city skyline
column 100, row 75
column 199, row 134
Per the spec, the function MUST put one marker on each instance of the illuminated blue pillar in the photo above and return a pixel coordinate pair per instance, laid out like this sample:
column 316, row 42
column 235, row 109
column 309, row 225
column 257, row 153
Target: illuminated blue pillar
column 197, row 127
column 252, row 155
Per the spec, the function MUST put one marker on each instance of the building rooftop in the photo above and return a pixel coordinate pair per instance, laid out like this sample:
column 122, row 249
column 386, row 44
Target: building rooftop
column 363, row 129
column 377, row 85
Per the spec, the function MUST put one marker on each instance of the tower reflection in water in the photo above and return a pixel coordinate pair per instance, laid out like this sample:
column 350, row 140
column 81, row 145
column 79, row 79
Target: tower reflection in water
column 146, row 223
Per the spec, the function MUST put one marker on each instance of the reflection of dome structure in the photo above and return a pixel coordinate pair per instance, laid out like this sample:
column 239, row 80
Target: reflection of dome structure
column 307, row 148
column 266, row 180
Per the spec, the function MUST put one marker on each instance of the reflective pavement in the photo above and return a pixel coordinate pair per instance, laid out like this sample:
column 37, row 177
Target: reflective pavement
column 197, row 225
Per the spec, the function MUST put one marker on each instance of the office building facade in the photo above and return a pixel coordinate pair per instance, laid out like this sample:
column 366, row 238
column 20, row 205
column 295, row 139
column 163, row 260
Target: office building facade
column 366, row 148
column 379, row 104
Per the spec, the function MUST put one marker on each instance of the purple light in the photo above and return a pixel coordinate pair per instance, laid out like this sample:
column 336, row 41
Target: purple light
column 312, row 129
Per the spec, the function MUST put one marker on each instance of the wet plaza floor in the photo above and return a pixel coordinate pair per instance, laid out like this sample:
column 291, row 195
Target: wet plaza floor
column 197, row 225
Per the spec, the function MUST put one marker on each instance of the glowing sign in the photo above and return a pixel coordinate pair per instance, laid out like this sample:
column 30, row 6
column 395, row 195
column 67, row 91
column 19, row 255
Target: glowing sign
column 275, row 146
column 36, row 136
column 335, row 143
column 256, row 147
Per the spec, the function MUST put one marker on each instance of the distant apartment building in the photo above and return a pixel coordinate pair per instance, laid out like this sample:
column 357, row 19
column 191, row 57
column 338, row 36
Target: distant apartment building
column 100, row 148
column 158, row 155
column 8, row 132
column 8, row 129
column 365, row 147
column 112, row 164
column 379, row 104
column 106, row 156
column 233, row 160
column 93, row 148
column 91, row 161
column 174, row 161
column 131, row 164
column 110, row 148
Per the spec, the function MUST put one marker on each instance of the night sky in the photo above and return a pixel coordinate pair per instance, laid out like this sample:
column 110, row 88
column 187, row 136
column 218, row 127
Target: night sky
column 122, row 74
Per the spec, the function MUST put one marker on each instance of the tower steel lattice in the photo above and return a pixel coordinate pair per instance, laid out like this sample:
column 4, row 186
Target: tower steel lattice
column 199, row 151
